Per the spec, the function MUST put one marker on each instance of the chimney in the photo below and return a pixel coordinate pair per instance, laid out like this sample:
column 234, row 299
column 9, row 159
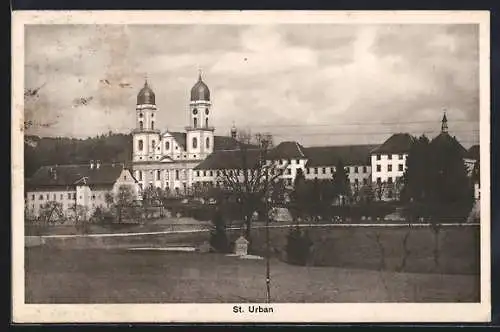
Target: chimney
column 97, row 164
column 91, row 164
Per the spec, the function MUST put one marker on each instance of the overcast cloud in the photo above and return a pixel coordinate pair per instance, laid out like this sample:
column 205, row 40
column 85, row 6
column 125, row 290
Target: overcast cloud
column 317, row 84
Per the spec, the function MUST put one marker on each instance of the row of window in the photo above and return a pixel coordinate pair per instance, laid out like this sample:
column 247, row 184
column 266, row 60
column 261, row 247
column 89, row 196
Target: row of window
column 141, row 125
column 46, row 197
column 389, row 156
column 167, row 144
column 390, row 179
column 389, row 168
column 195, row 123
column 356, row 169
column 157, row 174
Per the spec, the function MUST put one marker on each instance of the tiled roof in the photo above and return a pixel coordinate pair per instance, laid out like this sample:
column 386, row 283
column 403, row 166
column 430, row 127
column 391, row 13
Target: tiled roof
column 68, row 175
column 287, row 150
column 228, row 143
column 397, row 143
column 180, row 138
column 230, row 159
column 444, row 139
column 330, row 155
column 473, row 152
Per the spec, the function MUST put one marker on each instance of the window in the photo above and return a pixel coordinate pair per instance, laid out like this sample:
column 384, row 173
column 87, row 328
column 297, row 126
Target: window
column 332, row 170
column 125, row 177
column 48, row 197
column 41, row 197
column 177, row 174
column 389, row 156
column 379, row 168
column 323, row 170
column 61, row 197
column 167, row 145
column 389, row 179
column 365, row 181
column 211, row 173
column 158, row 174
column 389, row 168
column 152, row 125
column 315, row 170
column 379, row 180
column 400, row 167
column 93, row 197
column 218, row 173
column 153, row 143
column 288, row 171
column 195, row 143
column 141, row 115
column 400, row 157
column 378, row 157
column 139, row 175
column 32, row 197
column 141, row 125
column 195, row 122
column 141, row 145
column 204, row 173
column 346, row 169
column 69, row 196
column 206, row 123
column 74, row 195
column 197, row 173
column 356, row 169
column 364, row 169
column 207, row 143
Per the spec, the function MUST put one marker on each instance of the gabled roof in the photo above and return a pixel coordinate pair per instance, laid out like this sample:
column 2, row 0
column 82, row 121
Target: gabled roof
column 330, row 155
column 287, row 150
column 69, row 175
column 229, row 143
column 397, row 143
column 180, row 138
column 444, row 140
column 230, row 159
column 473, row 152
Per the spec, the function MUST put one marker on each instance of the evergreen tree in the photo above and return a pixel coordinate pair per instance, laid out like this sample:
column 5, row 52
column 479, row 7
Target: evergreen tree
column 416, row 177
column 341, row 181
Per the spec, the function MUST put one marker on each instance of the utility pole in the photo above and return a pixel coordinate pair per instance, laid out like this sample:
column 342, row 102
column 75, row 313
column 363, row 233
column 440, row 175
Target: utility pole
column 267, row 201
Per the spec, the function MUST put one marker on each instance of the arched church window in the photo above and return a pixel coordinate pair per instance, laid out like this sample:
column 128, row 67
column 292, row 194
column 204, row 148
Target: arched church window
column 195, row 122
column 141, row 145
column 167, row 145
column 141, row 115
column 152, row 125
column 195, row 142
column 207, row 143
column 141, row 125
column 207, row 111
column 139, row 175
column 206, row 123
column 153, row 143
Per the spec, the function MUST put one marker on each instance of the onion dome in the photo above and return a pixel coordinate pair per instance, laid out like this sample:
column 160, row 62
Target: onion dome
column 146, row 95
column 200, row 91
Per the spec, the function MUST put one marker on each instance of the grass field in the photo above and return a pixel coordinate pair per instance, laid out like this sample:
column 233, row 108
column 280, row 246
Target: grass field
column 121, row 276
column 347, row 247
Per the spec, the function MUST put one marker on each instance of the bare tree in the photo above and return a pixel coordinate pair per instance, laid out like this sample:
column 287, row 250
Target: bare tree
column 250, row 180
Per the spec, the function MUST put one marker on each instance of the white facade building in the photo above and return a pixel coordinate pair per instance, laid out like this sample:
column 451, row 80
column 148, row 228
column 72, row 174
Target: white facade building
column 76, row 185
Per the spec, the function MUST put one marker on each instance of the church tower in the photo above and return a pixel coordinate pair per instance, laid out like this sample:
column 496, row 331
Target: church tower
column 200, row 132
column 145, row 136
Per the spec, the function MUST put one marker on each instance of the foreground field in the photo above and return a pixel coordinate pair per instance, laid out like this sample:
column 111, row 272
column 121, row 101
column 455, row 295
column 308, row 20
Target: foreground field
column 122, row 276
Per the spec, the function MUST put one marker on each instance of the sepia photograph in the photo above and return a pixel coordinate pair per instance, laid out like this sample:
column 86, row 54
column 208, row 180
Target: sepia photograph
column 251, row 166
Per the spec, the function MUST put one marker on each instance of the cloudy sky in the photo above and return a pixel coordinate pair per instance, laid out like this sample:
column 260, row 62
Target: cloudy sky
column 318, row 84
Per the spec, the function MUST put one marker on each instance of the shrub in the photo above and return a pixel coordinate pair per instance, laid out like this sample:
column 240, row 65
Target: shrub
column 298, row 247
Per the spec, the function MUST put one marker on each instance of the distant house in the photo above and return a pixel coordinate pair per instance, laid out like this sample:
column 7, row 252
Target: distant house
column 73, row 185
column 388, row 160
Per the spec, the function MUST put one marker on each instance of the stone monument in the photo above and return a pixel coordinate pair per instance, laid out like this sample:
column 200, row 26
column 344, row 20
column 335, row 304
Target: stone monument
column 241, row 246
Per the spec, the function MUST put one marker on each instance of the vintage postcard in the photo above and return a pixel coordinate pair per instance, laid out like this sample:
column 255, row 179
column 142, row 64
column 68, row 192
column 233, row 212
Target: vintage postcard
column 233, row 166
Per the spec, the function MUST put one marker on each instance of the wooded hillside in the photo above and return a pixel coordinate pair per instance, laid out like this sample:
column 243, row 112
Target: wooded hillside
column 39, row 151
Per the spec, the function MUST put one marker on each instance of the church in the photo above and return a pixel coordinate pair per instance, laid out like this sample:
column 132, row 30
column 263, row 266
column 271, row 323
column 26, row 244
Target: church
column 166, row 159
